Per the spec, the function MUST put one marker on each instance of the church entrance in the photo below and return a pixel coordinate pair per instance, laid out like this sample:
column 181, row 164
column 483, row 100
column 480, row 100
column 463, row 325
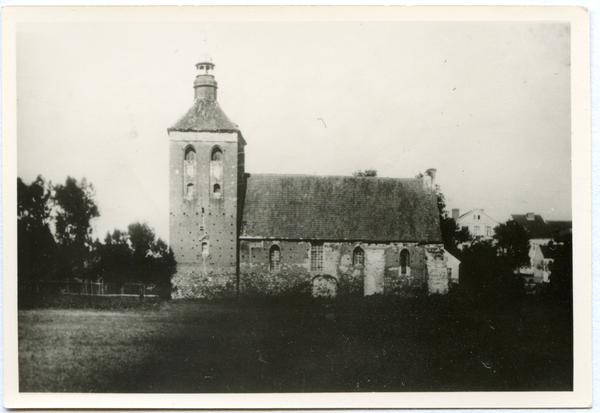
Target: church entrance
column 374, row 269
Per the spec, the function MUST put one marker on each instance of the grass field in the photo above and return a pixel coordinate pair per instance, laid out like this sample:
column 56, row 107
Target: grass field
column 379, row 344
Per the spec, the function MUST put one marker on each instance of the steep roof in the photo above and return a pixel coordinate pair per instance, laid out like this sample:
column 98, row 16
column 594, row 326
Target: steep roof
column 340, row 208
column 476, row 210
column 205, row 115
column 538, row 228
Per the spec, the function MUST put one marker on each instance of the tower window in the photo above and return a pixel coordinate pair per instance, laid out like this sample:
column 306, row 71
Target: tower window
column 316, row 257
column 404, row 262
column 217, row 189
column 275, row 258
column 204, row 249
column 190, row 154
column 216, row 154
column 358, row 256
column 190, row 190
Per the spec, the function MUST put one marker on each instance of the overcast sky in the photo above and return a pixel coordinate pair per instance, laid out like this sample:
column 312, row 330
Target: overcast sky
column 486, row 104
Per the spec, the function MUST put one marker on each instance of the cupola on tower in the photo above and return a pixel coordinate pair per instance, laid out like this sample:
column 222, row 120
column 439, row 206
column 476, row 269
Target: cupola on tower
column 206, row 169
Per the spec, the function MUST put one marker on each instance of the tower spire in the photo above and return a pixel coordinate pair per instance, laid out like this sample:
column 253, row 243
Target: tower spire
column 205, row 85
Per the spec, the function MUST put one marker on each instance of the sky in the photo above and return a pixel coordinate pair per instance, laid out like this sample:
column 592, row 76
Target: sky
column 486, row 104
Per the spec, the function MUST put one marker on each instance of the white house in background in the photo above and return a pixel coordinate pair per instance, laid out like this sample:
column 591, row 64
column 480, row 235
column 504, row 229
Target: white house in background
column 453, row 265
column 479, row 223
column 541, row 233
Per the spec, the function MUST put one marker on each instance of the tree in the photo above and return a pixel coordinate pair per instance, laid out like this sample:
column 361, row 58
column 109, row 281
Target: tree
column 512, row 244
column 136, row 256
column 561, row 271
column 114, row 258
column 142, row 238
column 367, row 173
column 35, row 244
column 75, row 208
column 483, row 271
column 452, row 234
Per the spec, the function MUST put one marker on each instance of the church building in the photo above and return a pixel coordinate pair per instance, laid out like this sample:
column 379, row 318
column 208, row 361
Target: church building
column 236, row 232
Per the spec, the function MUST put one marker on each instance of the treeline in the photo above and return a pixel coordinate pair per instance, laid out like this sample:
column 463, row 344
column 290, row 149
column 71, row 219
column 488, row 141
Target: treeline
column 489, row 268
column 56, row 243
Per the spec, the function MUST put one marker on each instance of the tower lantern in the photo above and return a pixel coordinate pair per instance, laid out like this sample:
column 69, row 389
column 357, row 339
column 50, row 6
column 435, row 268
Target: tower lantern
column 205, row 85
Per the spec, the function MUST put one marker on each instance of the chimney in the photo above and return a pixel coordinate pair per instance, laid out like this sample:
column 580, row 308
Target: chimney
column 205, row 85
column 455, row 213
column 530, row 216
column 429, row 178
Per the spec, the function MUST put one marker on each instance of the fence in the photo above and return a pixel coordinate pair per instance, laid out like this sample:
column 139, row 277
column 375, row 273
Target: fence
column 98, row 288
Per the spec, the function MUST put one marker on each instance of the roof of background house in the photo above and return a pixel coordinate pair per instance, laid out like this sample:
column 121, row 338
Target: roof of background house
column 340, row 208
column 466, row 214
column 538, row 228
column 205, row 115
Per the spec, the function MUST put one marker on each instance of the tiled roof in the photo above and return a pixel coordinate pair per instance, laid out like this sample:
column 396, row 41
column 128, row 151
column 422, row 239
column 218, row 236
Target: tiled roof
column 538, row 228
column 204, row 116
column 340, row 208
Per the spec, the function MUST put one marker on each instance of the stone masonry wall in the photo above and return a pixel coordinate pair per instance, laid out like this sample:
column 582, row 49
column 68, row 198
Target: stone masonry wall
column 381, row 268
column 438, row 280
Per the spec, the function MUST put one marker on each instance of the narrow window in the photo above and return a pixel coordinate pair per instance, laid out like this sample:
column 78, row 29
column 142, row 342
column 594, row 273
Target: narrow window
column 190, row 154
column 275, row 258
column 217, row 189
column 404, row 262
column 316, row 257
column 216, row 154
column 488, row 231
column 190, row 190
column 477, row 230
column 359, row 256
column 205, row 249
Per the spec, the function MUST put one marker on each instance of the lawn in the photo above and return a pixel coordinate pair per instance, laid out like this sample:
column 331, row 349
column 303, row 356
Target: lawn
column 282, row 345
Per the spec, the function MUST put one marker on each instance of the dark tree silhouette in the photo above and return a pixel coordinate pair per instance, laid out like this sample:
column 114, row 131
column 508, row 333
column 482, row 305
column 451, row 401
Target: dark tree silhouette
column 484, row 272
column 75, row 208
column 452, row 234
column 367, row 173
column 35, row 243
column 114, row 258
column 561, row 271
column 136, row 256
column 512, row 244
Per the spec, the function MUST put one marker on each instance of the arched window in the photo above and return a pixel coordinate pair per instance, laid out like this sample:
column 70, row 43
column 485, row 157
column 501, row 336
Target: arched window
column 404, row 262
column 217, row 189
column 190, row 154
column 358, row 256
column 275, row 258
column 205, row 248
column 216, row 154
column 190, row 190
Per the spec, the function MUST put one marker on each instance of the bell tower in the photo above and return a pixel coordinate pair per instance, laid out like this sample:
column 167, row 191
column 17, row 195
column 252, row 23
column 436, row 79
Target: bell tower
column 206, row 169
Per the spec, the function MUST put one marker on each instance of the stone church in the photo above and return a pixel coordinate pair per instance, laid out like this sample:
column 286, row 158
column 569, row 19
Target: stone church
column 236, row 232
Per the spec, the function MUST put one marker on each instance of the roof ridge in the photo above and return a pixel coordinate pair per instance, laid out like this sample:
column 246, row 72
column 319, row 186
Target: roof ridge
column 332, row 176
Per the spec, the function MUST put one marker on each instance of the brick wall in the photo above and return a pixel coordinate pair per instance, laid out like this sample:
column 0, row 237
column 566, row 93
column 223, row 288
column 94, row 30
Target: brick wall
column 204, row 220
